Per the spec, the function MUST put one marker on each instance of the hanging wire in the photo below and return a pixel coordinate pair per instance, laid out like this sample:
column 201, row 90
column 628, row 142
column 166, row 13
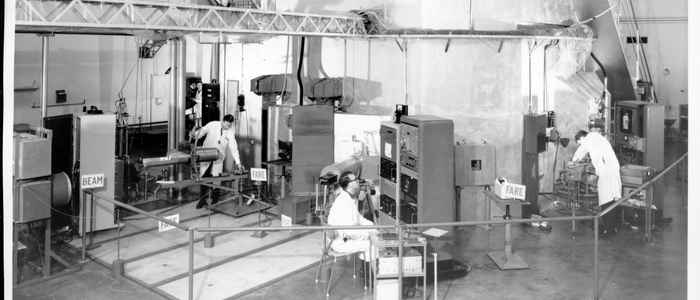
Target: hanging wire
column 596, row 16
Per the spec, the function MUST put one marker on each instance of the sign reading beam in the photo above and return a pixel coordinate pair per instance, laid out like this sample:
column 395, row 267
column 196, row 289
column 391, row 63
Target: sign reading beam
column 258, row 174
column 165, row 227
column 92, row 181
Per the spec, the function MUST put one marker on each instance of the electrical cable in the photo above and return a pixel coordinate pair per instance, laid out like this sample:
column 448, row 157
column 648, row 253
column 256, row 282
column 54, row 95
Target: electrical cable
column 595, row 17
column 301, row 61
column 554, row 164
column 605, row 74
column 286, row 68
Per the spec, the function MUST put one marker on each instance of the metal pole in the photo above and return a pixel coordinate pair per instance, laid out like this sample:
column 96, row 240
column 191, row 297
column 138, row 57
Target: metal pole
column 92, row 217
column 405, row 74
column 172, row 107
column 647, row 214
column 47, row 248
column 44, row 77
column 435, row 276
column 595, row 256
column 223, row 90
column 471, row 19
column 316, row 209
column 83, row 224
column 190, row 280
column 400, row 270
column 119, row 237
column 179, row 106
column 139, row 62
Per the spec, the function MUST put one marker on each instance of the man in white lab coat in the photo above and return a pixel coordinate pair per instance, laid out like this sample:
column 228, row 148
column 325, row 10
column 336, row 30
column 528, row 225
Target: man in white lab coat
column 220, row 135
column 607, row 169
column 344, row 212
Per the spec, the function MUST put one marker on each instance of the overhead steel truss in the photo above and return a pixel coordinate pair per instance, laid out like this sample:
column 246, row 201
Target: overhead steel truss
column 171, row 18
column 128, row 16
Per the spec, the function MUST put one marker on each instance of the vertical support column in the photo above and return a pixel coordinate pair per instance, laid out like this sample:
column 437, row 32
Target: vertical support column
column 405, row 73
column 180, row 91
column 215, row 57
column 44, row 76
column 224, row 86
column 179, row 121
column 172, row 104
column 176, row 122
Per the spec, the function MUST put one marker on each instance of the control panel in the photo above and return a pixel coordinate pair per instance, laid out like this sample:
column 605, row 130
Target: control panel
column 410, row 151
column 388, row 169
column 427, row 190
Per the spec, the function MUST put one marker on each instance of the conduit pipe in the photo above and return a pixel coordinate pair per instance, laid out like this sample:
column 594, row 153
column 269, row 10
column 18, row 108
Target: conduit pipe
column 44, row 76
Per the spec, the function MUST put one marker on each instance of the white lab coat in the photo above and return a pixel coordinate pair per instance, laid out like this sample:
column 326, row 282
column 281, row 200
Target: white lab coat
column 344, row 212
column 607, row 167
column 224, row 141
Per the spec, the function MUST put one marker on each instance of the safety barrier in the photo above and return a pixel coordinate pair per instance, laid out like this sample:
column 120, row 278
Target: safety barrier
column 400, row 228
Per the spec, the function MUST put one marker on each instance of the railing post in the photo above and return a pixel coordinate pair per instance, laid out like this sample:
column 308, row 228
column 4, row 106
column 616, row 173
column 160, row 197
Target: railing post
column 83, row 215
column 400, row 269
column 595, row 256
column 435, row 276
column 190, row 280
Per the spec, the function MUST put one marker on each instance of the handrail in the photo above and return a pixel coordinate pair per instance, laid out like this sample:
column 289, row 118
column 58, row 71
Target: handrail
column 346, row 227
column 140, row 211
column 643, row 186
column 442, row 224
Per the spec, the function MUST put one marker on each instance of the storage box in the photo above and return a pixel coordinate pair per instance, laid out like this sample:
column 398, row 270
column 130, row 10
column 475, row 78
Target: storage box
column 475, row 165
column 636, row 171
column 506, row 190
column 387, row 289
column 32, row 201
column 635, row 174
column 296, row 207
column 388, row 262
column 32, row 156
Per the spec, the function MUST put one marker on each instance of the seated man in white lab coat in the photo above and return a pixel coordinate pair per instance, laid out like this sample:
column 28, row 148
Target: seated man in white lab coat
column 220, row 135
column 607, row 168
column 344, row 212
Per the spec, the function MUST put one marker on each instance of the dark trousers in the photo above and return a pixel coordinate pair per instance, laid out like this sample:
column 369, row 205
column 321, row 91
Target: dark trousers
column 205, row 190
column 611, row 220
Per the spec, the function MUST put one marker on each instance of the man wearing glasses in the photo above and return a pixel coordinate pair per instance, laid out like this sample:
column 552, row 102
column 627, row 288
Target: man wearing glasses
column 344, row 212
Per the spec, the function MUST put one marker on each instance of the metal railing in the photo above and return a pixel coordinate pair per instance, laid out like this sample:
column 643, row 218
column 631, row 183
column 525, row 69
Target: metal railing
column 402, row 228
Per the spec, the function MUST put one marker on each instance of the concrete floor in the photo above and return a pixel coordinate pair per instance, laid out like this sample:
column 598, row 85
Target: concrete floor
column 561, row 266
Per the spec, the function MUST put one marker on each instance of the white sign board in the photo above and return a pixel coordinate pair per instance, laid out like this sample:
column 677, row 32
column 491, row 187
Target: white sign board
column 258, row 174
column 92, row 181
column 286, row 221
column 164, row 226
column 507, row 190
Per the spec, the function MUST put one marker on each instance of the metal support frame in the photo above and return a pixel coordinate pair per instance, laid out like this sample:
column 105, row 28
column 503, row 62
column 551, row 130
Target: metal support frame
column 125, row 16
column 399, row 229
column 132, row 16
